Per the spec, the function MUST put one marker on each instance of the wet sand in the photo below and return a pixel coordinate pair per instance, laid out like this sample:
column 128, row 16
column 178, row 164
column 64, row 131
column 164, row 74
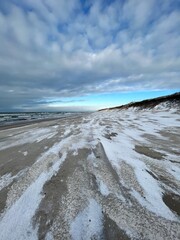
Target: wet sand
column 95, row 176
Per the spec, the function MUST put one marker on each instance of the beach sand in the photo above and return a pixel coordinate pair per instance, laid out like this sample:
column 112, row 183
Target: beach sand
column 105, row 175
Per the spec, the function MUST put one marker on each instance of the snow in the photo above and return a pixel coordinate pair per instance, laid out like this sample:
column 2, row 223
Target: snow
column 175, row 171
column 46, row 136
column 130, row 127
column 5, row 180
column 103, row 188
column 25, row 153
column 88, row 224
column 121, row 148
column 30, row 136
column 19, row 216
column 67, row 132
column 153, row 193
column 49, row 236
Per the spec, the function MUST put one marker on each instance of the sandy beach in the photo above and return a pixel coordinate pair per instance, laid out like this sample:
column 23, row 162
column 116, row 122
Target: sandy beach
column 105, row 175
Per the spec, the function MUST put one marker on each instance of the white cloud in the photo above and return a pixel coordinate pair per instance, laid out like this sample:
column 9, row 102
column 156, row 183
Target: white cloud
column 66, row 50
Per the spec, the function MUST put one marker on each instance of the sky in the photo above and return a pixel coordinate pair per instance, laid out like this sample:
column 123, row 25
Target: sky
column 75, row 55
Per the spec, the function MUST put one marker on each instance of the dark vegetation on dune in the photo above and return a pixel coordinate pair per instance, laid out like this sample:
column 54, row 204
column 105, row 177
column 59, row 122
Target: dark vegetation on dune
column 150, row 103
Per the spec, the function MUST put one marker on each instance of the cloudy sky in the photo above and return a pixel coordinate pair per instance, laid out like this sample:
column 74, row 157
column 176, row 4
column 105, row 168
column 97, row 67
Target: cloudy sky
column 75, row 54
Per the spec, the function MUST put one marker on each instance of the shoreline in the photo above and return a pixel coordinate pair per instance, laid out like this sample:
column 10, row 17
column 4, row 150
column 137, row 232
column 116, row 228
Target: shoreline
column 31, row 122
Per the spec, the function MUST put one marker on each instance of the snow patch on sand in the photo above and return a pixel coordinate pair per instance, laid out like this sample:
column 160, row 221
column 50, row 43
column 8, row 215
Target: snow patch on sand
column 88, row 224
column 25, row 153
column 121, row 148
column 7, row 179
column 103, row 188
column 49, row 236
column 17, row 221
column 30, row 136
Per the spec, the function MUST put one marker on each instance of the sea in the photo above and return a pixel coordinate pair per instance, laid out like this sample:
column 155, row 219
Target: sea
column 23, row 117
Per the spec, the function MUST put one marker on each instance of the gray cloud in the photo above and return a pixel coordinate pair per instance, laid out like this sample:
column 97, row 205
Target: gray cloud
column 55, row 49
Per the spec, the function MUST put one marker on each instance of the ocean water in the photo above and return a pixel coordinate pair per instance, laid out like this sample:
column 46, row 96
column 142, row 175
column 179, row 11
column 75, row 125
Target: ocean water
column 21, row 117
